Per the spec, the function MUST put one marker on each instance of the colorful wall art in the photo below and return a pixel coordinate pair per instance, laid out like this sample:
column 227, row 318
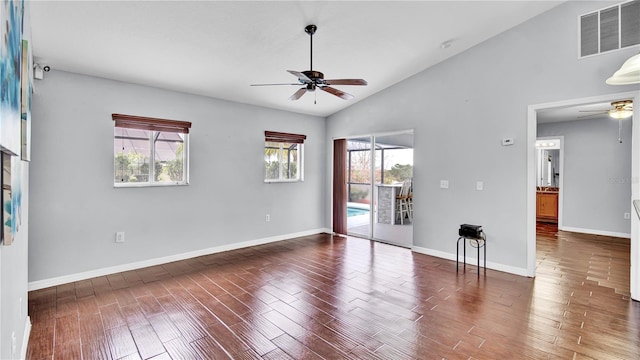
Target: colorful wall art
column 15, row 115
column 10, row 71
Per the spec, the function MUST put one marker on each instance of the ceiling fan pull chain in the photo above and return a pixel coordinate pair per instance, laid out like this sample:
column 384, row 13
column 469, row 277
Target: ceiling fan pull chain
column 620, row 131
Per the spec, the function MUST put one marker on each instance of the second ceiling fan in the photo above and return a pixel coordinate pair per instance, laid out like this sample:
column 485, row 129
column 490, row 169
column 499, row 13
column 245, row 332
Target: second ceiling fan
column 310, row 80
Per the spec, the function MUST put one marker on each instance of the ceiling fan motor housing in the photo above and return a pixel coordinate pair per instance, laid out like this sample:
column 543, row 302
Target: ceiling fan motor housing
column 310, row 29
column 314, row 75
column 622, row 104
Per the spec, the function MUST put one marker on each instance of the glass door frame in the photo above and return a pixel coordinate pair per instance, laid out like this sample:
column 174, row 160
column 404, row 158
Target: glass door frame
column 373, row 203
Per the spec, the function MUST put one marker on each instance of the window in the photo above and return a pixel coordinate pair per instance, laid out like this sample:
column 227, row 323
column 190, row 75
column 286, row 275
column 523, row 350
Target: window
column 283, row 156
column 149, row 151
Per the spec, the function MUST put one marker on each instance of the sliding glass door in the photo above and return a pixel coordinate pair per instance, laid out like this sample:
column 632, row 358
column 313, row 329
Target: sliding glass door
column 393, row 222
column 379, row 173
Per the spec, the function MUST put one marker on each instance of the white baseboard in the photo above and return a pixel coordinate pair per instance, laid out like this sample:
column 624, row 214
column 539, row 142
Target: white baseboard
column 472, row 261
column 595, row 232
column 41, row 284
column 25, row 338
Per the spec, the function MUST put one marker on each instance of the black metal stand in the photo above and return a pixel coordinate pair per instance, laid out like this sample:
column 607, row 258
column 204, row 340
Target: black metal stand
column 481, row 242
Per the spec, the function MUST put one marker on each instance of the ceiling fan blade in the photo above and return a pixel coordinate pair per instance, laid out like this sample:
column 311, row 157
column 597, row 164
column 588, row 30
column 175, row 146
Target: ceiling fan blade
column 590, row 115
column 336, row 92
column 298, row 94
column 346, row 82
column 302, row 77
column 298, row 84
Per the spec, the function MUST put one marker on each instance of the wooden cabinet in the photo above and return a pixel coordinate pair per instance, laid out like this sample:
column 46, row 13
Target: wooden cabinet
column 547, row 206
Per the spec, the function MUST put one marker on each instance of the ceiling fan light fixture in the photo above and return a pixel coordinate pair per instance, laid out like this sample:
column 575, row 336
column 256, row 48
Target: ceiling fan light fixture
column 620, row 113
column 629, row 73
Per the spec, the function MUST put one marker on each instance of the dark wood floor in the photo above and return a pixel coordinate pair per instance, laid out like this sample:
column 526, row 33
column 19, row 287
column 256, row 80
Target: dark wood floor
column 339, row 298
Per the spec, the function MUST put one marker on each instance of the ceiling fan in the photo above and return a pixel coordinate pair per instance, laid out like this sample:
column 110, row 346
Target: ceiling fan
column 620, row 110
column 310, row 80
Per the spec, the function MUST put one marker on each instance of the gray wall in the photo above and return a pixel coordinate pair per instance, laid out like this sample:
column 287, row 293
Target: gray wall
column 597, row 173
column 463, row 107
column 76, row 211
column 13, row 261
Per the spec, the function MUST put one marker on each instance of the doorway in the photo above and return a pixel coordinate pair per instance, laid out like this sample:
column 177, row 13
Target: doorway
column 533, row 113
column 379, row 191
column 549, row 180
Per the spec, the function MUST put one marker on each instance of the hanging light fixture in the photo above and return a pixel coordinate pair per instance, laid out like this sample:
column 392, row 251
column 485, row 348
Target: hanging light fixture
column 629, row 73
column 621, row 109
column 620, row 114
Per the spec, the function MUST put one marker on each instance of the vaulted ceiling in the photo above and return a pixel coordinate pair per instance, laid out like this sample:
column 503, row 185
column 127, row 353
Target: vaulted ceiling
column 219, row 48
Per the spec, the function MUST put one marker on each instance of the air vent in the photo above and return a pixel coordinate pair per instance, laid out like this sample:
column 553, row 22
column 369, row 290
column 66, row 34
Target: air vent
column 608, row 29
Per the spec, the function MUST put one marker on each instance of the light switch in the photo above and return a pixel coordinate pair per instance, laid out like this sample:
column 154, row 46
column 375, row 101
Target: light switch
column 444, row 184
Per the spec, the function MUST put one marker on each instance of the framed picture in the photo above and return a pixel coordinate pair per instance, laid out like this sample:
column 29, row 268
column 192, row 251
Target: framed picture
column 7, row 205
column 26, row 92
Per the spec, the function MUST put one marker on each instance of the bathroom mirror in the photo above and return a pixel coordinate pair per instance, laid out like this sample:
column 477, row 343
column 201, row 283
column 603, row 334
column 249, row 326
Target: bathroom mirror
column 548, row 163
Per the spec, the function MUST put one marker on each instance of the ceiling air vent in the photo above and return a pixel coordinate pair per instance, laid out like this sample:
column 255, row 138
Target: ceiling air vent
column 608, row 29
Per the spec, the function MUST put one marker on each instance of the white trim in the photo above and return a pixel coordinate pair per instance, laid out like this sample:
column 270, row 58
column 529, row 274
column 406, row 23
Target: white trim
column 472, row 261
column 635, row 175
column 384, row 133
column 25, row 338
column 65, row 279
column 532, row 133
column 594, row 232
column 147, row 184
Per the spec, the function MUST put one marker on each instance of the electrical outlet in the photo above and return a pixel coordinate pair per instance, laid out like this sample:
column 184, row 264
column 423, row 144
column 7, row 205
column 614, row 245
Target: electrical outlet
column 267, row 218
column 120, row 237
column 479, row 185
column 627, row 216
column 444, row 184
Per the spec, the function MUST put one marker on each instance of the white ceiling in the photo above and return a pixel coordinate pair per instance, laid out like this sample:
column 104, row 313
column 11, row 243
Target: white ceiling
column 219, row 48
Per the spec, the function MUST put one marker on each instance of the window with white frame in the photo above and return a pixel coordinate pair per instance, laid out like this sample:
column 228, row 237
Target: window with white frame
column 150, row 151
column 283, row 160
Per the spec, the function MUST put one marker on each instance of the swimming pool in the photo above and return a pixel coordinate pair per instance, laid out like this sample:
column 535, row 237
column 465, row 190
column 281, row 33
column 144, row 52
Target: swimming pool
column 353, row 211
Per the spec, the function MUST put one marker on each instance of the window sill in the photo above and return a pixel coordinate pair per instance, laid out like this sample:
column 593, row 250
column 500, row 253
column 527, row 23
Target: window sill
column 139, row 185
column 282, row 181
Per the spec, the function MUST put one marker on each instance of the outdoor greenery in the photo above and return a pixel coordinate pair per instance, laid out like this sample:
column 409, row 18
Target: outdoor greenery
column 272, row 163
column 361, row 168
column 134, row 167
column 360, row 171
column 173, row 169
column 398, row 173
column 358, row 194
